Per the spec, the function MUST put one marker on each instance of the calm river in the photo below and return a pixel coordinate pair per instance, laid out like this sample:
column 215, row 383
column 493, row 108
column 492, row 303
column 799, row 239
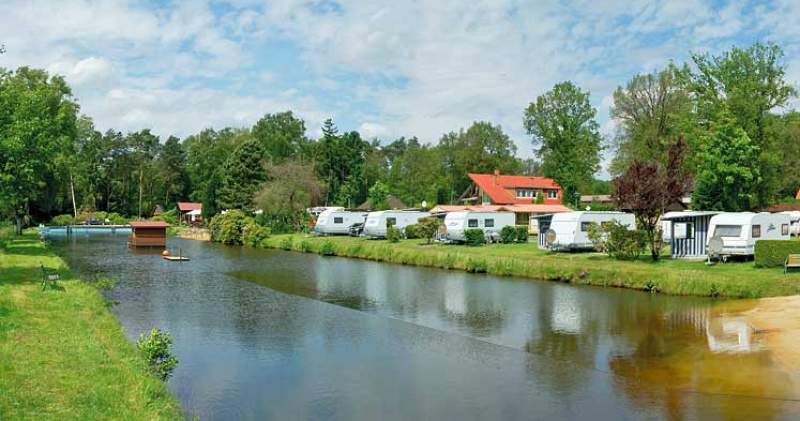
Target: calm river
column 264, row 334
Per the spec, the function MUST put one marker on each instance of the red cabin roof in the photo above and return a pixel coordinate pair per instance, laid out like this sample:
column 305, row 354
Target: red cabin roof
column 149, row 224
column 189, row 206
column 497, row 186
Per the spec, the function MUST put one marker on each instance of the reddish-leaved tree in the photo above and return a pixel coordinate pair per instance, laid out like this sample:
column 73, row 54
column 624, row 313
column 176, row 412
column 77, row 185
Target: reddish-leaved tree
column 648, row 188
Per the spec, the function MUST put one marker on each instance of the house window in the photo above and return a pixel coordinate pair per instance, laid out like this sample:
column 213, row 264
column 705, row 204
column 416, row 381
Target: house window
column 525, row 193
column 338, row 220
column 472, row 223
column 684, row 230
column 756, row 231
column 552, row 194
column 585, row 226
column 488, row 223
column 785, row 229
column 390, row 222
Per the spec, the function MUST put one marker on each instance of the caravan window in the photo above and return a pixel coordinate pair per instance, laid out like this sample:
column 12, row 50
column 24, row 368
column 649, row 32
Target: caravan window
column 472, row 223
column 732, row 231
column 684, row 230
column 390, row 222
column 756, row 231
column 338, row 220
column 488, row 223
column 585, row 226
column 785, row 229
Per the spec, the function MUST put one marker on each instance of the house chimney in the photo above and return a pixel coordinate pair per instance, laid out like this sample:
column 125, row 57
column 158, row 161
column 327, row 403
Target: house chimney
column 496, row 174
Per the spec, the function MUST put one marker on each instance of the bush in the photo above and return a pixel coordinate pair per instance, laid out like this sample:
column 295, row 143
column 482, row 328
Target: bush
column 522, row 234
column 508, row 234
column 117, row 219
column 286, row 244
column 327, row 249
column 305, row 246
column 773, row 253
column 393, row 234
column 474, row 237
column 412, row 231
column 155, row 347
column 427, row 228
column 254, row 234
column 227, row 227
column 477, row 266
column 170, row 217
column 62, row 220
column 616, row 240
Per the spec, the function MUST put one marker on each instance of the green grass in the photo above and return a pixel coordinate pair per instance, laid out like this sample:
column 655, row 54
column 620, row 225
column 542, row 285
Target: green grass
column 676, row 277
column 62, row 353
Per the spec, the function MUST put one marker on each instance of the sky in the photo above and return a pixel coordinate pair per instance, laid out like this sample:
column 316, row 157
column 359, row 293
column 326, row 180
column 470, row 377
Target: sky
column 384, row 68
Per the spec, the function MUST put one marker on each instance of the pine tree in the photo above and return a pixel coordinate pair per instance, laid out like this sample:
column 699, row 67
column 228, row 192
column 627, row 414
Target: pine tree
column 242, row 174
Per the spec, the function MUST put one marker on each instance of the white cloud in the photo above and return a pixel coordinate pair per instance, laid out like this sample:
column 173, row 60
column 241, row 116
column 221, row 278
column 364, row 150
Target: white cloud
column 372, row 130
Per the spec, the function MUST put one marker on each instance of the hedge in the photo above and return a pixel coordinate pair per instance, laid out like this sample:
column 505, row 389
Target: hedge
column 474, row 237
column 773, row 253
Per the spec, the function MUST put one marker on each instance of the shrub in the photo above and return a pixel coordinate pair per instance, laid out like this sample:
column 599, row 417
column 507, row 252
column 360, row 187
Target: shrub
column 522, row 234
column 393, row 234
column 427, row 228
column 508, row 234
column 773, row 253
column 474, row 237
column 477, row 266
column 155, row 347
column 327, row 249
column 286, row 243
column 170, row 217
column 254, row 234
column 305, row 246
column 227, row 227
column 117, row 219
column 616, row 240
column 412, row 231
column 62, row 220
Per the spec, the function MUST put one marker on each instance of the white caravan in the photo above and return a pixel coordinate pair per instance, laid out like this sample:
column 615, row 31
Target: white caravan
column 739, row 231
column 334, row 221
column 794, row 217
column 376, row 221
column 570, row 230
column 490, row 222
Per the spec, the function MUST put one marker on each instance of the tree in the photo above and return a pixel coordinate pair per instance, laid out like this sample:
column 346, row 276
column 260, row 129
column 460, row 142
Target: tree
column 341, row 161
column 282, row 136
column 415, row 172
column 647, row 188
column 748, row 84
column 291, row 189
column 172, row 169
column 144, row 147
column 37, row 121
column 379, row 196
column 427, row 228
column 242, row 174
column 482, row 148
column 565, row 135
column 726, row 179
column 206, row 153
column 652, row 110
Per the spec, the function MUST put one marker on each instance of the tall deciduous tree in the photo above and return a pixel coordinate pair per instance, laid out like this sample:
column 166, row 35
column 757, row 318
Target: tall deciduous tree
column 172, row 169
column 37, row 121
column 728, row 176
column 282, row 136
column 652, row 110
column 647, row 188
column 747, row 83
column 242, row 174
column 565, row 134
column 291, row 189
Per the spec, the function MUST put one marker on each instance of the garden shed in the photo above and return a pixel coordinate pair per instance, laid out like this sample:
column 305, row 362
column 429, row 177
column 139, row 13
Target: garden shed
column 148, row 234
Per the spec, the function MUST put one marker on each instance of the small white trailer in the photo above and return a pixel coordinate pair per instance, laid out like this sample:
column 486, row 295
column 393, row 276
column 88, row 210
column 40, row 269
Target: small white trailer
column 569, row 231
column 739, row 231
column 375, row 227
column 456, row 223
column 337, row 221
column 794, row 225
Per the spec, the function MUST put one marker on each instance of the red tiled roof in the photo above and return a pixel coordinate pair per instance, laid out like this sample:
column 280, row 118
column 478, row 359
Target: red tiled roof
column 189, row 206
column 495, row 186
column 149, row 224
column 501, row 208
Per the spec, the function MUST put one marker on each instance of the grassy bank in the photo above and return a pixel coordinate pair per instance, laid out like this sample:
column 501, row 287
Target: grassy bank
column 677, row 277
column 62, row 353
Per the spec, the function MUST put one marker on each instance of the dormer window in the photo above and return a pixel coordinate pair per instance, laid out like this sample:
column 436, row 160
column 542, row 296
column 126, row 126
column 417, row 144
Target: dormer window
column 526, row 193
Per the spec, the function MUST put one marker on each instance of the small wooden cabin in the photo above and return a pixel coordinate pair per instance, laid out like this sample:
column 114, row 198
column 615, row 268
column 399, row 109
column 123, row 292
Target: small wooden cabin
column 148, row 234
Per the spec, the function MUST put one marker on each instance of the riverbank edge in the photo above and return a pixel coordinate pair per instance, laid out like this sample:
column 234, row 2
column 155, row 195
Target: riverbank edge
column 650, row 277
column 63, row 353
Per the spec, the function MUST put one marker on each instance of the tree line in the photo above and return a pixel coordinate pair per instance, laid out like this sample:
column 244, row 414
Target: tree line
column 741, row 150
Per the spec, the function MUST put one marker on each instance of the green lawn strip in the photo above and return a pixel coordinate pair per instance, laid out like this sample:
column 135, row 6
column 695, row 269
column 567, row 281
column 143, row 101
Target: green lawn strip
column 62, row 353
column 668, row 276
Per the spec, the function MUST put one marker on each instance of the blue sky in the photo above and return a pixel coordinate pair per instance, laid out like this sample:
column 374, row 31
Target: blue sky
column 387, row 69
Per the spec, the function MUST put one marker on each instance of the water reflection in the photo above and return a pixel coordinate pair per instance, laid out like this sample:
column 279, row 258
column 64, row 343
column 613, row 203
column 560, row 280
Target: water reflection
column 270, row 334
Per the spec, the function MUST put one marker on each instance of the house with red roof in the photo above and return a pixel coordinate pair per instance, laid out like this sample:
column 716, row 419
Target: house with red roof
column 190, row 212
column 497, row 189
